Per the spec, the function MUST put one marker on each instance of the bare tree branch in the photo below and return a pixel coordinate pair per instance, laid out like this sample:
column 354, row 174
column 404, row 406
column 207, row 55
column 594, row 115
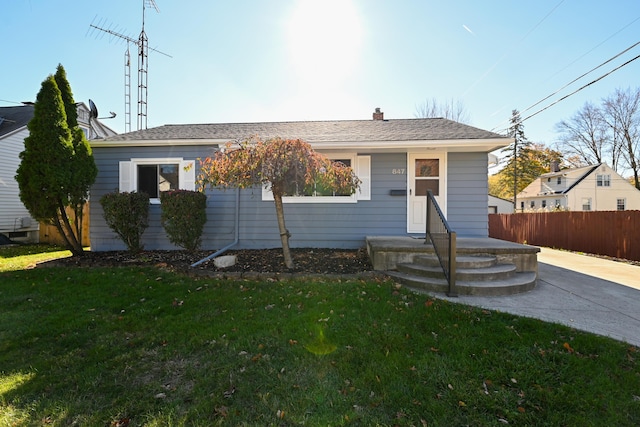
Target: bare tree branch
column 452, row 110
column 622, row 113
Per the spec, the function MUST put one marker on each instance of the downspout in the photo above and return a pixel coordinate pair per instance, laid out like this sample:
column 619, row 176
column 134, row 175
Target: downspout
column 235, row 241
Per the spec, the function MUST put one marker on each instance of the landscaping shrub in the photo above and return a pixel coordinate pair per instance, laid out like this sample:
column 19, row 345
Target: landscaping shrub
column 183, row 217
column 128, row 215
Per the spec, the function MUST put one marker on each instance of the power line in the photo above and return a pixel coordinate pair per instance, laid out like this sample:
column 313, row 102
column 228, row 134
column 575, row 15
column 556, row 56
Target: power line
column 596, row 46
column 10, row 102
column 583, row 75
column 576, row 79
column 579, row 89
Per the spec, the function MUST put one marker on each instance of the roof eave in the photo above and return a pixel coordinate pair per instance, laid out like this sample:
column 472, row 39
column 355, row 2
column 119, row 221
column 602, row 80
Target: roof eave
column 13, row 132
column 101, row 143
column 485, row 145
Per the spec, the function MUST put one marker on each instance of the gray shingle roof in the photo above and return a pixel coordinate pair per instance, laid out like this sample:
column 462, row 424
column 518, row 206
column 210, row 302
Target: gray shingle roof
column 13, row 118
column 317, row 131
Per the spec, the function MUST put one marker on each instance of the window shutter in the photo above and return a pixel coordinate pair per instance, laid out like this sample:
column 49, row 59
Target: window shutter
column 187, row 175
column 364, row 173
column 125, row 178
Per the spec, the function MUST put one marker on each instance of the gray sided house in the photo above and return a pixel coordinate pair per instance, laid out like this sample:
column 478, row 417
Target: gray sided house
column 397, row 161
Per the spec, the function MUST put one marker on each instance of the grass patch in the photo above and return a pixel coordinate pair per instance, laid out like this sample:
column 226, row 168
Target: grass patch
column 21, row 257
column 144, row 347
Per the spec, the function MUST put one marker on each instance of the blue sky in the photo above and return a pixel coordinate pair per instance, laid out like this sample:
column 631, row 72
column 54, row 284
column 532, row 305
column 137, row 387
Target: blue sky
column 281, row 60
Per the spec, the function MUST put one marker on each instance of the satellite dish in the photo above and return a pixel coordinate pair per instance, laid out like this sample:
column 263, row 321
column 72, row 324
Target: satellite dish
column 93, row 110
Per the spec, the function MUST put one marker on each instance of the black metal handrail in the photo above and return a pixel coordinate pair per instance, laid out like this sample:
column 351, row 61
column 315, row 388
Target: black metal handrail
column 443, row 240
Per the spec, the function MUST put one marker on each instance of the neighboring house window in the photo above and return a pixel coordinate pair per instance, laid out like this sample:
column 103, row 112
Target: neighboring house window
column 87, row 134
column 557, row 203
column 522, row 206
column 544, row 204
column 603, row 180
column 361, row 166
column 559, row 180
column 586, row 204
column 548, row 179
column 621, row 204
column 532, row 204
column 154, row 176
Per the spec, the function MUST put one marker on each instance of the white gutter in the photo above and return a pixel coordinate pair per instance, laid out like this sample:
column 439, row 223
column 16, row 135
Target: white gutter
column 446, row 144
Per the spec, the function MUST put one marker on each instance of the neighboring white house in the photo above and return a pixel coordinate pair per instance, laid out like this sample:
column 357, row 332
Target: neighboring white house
column 15, row 221
column 590, row 188
column 500, row 205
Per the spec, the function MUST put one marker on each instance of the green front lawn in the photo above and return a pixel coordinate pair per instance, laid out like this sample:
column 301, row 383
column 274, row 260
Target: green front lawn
column 145, row 347
column 27, row 256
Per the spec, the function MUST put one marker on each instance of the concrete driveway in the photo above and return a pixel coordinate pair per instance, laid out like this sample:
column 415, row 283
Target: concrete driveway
column 584, row 292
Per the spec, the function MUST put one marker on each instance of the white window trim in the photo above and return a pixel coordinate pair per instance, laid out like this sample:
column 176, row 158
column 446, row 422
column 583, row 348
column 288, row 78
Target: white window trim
column 128, row 173
column 361, row 166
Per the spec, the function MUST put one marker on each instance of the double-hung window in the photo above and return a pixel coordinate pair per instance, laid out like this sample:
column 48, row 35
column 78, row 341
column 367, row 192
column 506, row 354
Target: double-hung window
column 154, row 176
column 621, row 204
column 603, row 180
column 586, row 203
column 316, row 193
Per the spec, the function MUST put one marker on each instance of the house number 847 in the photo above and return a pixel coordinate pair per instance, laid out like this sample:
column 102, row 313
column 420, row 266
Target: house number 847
column 398, row 171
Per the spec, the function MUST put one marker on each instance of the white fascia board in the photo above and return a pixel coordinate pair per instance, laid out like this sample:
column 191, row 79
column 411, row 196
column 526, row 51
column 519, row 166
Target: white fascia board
column 461, row 145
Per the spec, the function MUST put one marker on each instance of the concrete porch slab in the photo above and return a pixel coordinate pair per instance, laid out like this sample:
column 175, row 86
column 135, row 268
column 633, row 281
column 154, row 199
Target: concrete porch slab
column 386, row 252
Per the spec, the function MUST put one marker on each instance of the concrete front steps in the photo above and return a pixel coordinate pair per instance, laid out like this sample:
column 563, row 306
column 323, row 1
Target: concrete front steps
column 480, row 275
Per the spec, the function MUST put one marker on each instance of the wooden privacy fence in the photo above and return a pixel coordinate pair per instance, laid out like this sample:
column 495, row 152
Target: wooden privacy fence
column 49, row 233
column 611, row 233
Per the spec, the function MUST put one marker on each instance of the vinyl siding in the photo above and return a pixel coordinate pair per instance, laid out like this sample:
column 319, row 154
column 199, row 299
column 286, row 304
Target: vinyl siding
column 11, row 208
column 311, row 225
column 468, row 194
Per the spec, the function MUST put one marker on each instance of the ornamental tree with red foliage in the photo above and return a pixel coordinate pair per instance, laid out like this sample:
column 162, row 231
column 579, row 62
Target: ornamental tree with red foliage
column 280, row 164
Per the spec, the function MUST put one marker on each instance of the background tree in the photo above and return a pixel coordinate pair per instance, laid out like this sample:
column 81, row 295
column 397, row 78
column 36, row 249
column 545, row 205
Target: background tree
column 280, row 164
column 499, row 187
column 452, row 110
column 50, row 176
column 587, row 138
column 515, row 156
column 622, row 114
column 533, row 161
column 609, row 133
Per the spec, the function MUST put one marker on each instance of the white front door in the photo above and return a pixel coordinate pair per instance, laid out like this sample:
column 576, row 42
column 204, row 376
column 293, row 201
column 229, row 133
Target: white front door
column 427, row 171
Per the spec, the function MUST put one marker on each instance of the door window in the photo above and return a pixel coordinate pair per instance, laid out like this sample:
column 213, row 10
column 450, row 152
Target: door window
column 427, row 173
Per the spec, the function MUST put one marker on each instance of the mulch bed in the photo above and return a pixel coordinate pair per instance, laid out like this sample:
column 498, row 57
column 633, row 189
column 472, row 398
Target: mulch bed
column 308, row 261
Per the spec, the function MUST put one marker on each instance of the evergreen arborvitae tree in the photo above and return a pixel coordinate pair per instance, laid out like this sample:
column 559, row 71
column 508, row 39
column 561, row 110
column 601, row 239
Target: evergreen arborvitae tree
column 56, row 168
column 83, row 167
column 516, row 157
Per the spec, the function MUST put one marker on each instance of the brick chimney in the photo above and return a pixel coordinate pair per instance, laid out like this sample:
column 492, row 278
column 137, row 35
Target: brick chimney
column 378, row 115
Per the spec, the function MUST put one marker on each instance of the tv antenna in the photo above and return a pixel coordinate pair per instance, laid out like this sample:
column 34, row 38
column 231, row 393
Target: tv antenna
column 142, row 42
